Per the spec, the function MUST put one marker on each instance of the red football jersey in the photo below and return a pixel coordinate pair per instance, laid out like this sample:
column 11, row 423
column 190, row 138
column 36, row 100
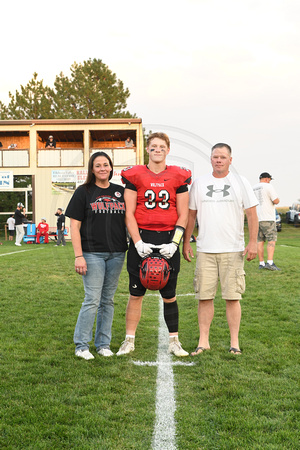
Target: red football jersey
column 156, row 194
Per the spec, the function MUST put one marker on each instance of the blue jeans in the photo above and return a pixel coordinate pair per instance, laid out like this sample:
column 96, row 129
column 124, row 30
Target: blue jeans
column 100, row 284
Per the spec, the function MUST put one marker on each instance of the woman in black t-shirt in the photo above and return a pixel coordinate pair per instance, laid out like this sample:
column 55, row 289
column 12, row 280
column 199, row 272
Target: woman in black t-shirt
column 97, row 215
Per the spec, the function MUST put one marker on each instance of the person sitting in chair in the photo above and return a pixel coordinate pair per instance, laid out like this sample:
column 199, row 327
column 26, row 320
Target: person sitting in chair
column 42, row 230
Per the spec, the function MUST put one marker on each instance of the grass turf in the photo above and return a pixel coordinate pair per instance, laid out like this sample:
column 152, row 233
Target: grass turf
column 51, row 399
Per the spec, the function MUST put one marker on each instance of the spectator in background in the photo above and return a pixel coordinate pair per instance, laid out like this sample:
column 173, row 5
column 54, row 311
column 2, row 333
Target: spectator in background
column 42, row 230
column 267, row 197
column 60, row 227
column 129, row 142
column 11, row 227
column 51, row 143
column 20, row 216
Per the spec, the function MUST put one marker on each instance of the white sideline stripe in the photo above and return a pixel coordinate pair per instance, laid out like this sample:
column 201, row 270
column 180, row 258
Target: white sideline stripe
column 289, row 246
column 177, row 295
column 155, row 363
column 22, row 251
column 186, row 295
column 164, row 431
column 158, row 295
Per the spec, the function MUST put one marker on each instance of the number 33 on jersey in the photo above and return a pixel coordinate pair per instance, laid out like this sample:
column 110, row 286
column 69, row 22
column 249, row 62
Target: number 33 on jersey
column 156, row 194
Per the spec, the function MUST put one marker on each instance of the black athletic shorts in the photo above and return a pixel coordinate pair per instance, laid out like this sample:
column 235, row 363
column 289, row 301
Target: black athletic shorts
column 134, row 260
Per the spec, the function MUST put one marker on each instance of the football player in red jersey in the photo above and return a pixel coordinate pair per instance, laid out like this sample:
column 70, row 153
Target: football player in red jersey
column 156, row 198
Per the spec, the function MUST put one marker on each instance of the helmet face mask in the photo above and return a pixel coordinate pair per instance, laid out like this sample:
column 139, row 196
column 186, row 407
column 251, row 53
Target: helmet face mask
column 154, row 272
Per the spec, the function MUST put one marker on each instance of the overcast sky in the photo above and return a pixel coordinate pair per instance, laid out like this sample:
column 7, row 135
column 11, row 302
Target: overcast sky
column 204, row 71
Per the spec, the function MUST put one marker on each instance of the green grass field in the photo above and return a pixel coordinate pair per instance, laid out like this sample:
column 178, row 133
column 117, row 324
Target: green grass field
column 52, row 400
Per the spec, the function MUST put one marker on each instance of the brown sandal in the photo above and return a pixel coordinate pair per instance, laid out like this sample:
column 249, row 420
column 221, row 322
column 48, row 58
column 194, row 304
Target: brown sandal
column 235, row 351
column 196, row 352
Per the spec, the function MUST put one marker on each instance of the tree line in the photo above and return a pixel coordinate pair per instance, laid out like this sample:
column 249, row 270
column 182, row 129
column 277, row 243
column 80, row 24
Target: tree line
column 92, row 91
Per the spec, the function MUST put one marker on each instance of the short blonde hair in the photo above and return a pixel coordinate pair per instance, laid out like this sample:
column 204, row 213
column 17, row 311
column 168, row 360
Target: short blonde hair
column 158, row 135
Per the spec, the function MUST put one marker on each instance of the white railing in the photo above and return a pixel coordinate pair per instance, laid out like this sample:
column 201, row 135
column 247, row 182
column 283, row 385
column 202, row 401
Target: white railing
column 122, row 156
column 14, row 158
column 60, row 157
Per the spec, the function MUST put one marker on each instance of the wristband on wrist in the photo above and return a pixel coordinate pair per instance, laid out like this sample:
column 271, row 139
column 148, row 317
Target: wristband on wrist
column 178, row 233
column 80, row 256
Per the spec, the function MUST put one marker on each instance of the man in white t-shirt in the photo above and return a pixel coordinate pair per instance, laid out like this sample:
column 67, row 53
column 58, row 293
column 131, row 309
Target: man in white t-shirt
column 218, row 200
column 11, row 227
column 267, row 198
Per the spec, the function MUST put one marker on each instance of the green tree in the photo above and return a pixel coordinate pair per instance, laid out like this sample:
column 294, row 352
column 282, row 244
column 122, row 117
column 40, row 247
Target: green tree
column 146, row 154
column 3, row 111
column 9, row 200
column 92, row 91
column 34, row 101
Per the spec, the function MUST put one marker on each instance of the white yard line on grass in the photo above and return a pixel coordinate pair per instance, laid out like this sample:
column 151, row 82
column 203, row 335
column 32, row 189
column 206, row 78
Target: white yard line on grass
column 290, row 246
column 156, row 363
column 165, row 428
column 22, row 251
column 188, row 294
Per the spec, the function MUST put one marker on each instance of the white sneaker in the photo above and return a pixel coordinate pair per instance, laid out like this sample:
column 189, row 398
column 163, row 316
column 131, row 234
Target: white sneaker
column 19, row 245
column 85, row 354
column 105, row 352
column 175, row 347
column 127, row 346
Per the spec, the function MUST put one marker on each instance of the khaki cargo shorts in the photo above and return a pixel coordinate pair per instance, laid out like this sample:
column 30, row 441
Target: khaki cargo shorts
column 267, row 231
column 228, row 267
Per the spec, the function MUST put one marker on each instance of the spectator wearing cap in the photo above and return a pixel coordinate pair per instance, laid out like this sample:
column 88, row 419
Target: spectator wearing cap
column 42, row 230
column 51, row 143
column 60, row 227
column 267, row 197
column 20, row 215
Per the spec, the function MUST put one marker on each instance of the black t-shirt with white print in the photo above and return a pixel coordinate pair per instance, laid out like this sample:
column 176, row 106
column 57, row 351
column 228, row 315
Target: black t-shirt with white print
column 102, row 216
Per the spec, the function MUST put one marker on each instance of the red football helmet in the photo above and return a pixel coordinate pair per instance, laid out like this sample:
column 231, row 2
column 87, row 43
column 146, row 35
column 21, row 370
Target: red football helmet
column 154, row 272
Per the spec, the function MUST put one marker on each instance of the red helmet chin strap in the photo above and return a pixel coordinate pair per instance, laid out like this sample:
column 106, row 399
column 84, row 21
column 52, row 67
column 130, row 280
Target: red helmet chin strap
column 154, row 272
